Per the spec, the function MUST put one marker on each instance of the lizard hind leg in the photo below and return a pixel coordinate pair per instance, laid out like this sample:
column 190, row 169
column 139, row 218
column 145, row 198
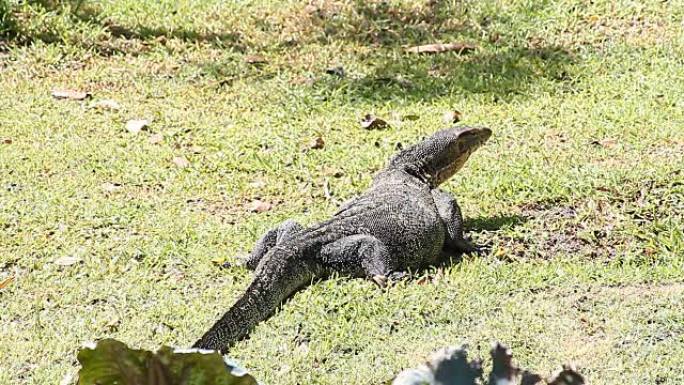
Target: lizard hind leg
column 275, row 236
column 359, row 256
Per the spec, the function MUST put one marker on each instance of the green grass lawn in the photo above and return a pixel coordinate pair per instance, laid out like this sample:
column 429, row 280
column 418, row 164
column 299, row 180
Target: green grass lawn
column 579, row 194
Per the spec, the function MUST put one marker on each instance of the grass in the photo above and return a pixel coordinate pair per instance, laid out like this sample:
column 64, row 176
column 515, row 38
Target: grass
column 579, row 194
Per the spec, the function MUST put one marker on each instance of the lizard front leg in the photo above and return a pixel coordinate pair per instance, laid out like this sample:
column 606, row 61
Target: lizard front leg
column 275, row 236
column 451, row 216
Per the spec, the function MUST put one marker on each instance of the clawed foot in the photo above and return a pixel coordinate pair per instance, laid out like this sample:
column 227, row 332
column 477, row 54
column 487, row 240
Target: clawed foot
column 244, row 261
column 383, row 280
column 380, row 280
column 467, row 247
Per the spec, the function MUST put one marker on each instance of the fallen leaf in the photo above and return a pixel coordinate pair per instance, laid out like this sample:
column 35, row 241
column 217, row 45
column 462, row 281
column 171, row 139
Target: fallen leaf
column 607, row 142
column 70, row 94
column 337, row 71
column 411, row 117
column 134, row 126
column 593, row 18
column 113, row 324
column 67, row 260
column 452, row 116
column 566, row 376
column 7, row 141
column 311, row 9
column 258, row 183
column 255, row 59
column 494, row 38
column 422, row 280
column 259, row 206
column 370, row 122
column 156, row 138
column 460, row 48
column 111, row 187
column 5, row 282
column 106, row 105
column 329, row 171
column 317, row 143
column 181, row 162
column 218, row 260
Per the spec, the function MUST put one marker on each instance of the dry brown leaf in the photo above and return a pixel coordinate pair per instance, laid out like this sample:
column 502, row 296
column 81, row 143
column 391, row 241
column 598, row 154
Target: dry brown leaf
column 134, row 126
column 259, row 206
column 451, row 117
column 111, row 187
column 329, row 171
column 7, row 141
column 156, row 138
column 70, row 94
column 67, row 260
column 371, row 122
column 337, row 71
column 106, row 105
column 255, row 59
column 566, row 376
column 5, row 282
column 460, row 48
column 606, row 143
column 181, row 162
column 316, row 143
column 311, row 9
column 258, row 183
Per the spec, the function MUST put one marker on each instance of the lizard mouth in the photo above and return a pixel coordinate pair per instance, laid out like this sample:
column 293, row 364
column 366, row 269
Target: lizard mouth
column 449, row 170
column 466, row 144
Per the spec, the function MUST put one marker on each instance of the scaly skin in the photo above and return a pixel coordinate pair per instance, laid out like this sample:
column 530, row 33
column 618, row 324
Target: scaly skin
column 402, row 222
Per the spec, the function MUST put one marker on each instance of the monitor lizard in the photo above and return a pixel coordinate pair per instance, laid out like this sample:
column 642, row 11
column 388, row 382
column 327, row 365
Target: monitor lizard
column 402, row 222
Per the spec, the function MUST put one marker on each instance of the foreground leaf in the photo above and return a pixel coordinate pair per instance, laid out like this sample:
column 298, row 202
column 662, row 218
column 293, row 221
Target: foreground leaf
column 451, row 366
column 448, row 366
column 111, row 362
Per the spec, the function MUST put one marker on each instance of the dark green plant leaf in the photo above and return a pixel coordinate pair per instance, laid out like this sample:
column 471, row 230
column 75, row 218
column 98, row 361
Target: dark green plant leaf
column 112, row 362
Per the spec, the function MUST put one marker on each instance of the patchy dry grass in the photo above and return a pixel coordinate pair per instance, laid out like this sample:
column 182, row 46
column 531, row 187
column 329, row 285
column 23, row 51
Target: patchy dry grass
column 579, row 195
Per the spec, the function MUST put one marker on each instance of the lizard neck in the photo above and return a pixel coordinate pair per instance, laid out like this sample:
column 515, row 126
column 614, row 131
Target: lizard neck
column 404, row 176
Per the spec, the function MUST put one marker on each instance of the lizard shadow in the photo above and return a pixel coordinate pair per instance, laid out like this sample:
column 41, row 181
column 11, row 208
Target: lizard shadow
column 493, row 223
column 477, row 224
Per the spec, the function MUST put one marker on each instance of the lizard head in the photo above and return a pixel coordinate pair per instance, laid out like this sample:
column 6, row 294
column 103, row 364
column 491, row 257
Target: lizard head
column 441, row 155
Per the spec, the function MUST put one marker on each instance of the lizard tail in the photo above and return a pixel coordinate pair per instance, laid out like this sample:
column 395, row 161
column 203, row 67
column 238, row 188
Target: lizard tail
column 280, row 274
